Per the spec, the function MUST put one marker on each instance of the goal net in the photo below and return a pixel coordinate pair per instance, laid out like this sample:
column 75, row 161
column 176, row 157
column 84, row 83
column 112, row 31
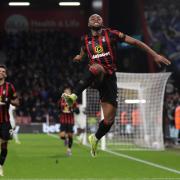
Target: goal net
column 138, row 121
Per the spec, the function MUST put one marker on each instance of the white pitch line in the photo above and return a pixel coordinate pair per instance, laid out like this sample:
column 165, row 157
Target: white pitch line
column 136, row 159
column 53, row 135
column 143, row 161
column 93, row 179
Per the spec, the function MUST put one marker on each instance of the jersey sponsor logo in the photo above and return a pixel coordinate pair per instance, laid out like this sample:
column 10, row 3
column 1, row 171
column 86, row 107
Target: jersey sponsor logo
column 98, row 49
column 101, row 55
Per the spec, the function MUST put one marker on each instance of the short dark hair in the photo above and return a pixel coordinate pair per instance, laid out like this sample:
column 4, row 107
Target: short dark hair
column 67, row 87
column 3, row 66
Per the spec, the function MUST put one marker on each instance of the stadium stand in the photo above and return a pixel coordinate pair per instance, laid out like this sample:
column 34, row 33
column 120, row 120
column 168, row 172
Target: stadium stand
column 163, row 22
column 41, row 58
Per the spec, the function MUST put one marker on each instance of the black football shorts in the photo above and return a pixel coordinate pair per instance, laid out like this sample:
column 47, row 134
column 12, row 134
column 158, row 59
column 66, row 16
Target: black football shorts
column 5, row 131
column 68, row 128
column 108, row 89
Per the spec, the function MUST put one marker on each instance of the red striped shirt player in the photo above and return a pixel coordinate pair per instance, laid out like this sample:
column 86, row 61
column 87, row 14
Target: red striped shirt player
column 7, row 96
column 67, row 121
column 100, row 46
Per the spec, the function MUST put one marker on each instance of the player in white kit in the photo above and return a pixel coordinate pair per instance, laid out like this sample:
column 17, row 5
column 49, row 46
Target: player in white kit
column 13, row 123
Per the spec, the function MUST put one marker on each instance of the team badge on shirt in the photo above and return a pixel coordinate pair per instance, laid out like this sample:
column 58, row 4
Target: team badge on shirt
column 98, row 49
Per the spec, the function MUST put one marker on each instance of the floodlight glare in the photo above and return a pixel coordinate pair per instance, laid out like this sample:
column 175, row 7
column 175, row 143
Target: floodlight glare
column 69, row 3
column 135, row 101
column 19, row 3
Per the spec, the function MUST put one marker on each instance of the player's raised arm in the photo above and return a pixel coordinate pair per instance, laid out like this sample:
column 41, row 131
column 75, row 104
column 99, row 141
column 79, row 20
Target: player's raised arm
column 156, row 57
column 80, row 56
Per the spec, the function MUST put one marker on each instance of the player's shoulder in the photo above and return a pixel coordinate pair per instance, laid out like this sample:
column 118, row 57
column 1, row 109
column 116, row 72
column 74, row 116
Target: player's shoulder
column 85, row 35
column 113, row 31
column 106, row 29
column 116, row 33
column 9, row 84
column 61, row 99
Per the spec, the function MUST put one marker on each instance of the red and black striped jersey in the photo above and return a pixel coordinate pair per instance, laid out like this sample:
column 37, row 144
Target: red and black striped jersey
column 7, row 93
column 102, row 49
column 67, row 113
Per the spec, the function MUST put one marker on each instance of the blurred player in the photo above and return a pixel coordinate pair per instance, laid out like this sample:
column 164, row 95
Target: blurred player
column 12, row 114
column 100, row 45
column 67, row 121
column 7, row 96
column 80, row 122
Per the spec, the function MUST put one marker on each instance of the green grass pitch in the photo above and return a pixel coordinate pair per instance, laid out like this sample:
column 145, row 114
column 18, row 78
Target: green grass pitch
column 44, row 157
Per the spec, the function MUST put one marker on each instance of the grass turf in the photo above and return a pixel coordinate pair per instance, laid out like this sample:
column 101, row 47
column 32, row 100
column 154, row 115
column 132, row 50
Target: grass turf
column 44, row 157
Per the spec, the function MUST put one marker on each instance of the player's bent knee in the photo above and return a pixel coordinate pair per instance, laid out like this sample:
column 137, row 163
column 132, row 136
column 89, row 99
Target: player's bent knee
column 109, row 121
column 3, row 141
column 97, row 70
column 62, row 135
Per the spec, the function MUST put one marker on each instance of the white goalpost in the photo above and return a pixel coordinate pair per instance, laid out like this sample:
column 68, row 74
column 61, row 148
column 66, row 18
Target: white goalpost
column 138, row 121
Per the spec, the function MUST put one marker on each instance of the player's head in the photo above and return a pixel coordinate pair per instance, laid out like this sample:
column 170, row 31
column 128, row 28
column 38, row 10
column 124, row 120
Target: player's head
column 95, row 22
column 3, row 71
column 67, row 90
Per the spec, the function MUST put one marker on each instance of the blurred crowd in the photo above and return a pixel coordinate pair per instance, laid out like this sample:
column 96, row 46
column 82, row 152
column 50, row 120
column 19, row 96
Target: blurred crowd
column 40, row 65
column 163, row 20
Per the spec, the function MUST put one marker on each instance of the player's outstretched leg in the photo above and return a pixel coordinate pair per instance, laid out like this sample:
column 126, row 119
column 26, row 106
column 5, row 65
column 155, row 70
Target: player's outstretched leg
column 95, row 72
column 105, row 125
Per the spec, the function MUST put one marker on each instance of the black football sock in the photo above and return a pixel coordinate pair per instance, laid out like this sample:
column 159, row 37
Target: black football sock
column 84, row 83
column 3, row 153
column 104, row 127
column 70, row 142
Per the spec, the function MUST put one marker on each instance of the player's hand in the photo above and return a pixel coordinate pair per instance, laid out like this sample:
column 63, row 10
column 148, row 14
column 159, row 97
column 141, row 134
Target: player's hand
column 5, row 101
column 77, row 58
column 161, row 60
